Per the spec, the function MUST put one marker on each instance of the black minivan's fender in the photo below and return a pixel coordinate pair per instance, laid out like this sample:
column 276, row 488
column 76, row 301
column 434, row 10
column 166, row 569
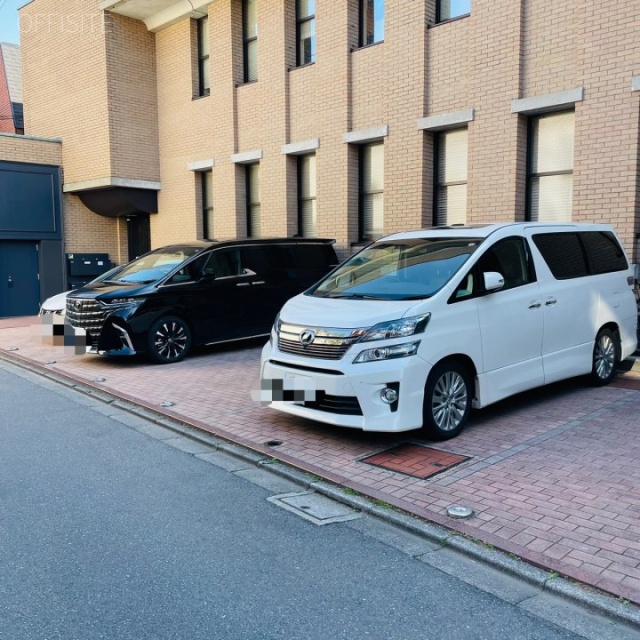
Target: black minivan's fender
column 173, row 298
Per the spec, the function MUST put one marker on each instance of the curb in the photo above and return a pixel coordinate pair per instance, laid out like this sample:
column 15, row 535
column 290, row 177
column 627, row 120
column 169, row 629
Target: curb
column 579, row 593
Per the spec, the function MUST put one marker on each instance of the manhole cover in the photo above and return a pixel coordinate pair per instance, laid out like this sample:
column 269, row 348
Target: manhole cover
column 314, row 507
column 415, row 460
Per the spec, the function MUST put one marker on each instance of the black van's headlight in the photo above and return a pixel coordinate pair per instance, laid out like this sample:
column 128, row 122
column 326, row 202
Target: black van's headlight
column 121, row 303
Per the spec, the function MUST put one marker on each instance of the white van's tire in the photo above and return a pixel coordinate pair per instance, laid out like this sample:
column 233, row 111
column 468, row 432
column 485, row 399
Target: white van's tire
column 447, row 400
column 606, row 355
column 169, row 340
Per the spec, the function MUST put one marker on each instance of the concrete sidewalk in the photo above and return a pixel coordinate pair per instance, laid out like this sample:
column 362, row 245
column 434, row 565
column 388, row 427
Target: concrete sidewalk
column 552, row 476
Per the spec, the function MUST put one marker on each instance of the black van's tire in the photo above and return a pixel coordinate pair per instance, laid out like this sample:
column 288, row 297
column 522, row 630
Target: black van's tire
column 169, row 340
column 606, row 355
column 447, row 400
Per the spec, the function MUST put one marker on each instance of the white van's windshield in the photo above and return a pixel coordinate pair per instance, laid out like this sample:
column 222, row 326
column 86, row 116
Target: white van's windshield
column 398, row 269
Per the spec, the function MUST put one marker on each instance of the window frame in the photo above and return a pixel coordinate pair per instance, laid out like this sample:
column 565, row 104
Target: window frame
column 206, row 195
column 252, row 204
column 441, row 20
column 363, row 195
column 301, row 197
column 364, row 24
column 300, row 22
column 247, row 43
column 204, row 81
column 439, row 186
column 531, row 176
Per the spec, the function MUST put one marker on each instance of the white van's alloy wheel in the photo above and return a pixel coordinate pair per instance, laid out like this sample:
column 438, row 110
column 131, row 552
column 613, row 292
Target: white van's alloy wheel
column 447, row 400
column 605, row 357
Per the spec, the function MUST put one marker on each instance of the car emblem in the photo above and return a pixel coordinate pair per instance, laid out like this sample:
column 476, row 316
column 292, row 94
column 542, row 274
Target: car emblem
column 77, row 305
column 307, row 337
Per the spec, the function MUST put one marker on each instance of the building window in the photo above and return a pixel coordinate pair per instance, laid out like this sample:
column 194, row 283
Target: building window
column 371, row 21
column 371, row 191
column 207, row 204
column 203, row 57
column 451, row 148
column 550, row 176
column 307, row 215
column 449, row 9
column 306, row 31
column 253, row 200
column 250, row 39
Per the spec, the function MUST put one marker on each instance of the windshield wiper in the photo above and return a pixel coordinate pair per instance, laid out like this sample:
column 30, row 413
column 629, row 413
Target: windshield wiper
column 356, row 296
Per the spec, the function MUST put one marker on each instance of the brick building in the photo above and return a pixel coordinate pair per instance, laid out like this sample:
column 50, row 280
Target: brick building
column 11, row 120
column 340, row 118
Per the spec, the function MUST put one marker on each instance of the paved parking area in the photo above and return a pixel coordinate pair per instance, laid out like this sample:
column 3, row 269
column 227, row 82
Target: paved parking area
column 553, row 475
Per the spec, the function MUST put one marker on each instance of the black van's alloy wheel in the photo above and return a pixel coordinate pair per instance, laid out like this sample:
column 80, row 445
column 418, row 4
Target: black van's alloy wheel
column 606, row 354
column 169, row 340
column 447, row 400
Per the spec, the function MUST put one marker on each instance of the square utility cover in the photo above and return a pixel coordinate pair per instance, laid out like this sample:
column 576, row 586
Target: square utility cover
column 415, row 460
column 314, row 507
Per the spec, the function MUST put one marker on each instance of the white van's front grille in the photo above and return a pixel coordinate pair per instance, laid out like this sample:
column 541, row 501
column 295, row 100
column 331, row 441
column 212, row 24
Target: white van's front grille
column 316, row 342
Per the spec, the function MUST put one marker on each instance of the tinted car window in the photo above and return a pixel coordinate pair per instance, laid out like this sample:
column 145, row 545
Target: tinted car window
column 224, row 263
column 563, row 254
column 315, row 256
column 604, row 254
column 509, row 257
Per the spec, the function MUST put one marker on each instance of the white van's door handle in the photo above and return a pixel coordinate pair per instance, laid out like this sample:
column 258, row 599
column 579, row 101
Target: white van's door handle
column 535, row 305
column 550, row 302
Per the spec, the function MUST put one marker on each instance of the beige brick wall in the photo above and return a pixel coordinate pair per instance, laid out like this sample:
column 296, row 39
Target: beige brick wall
column 606, row 178
column 65, row 81
column 501, row 52
column 133, row 99
column 85, row 232
column 23, row 149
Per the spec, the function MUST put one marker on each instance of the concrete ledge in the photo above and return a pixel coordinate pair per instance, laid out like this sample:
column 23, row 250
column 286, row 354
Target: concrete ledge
column 366, row 135
column 36, row 138
column 247, row 157
column 110, row 181
column 201, row 165
column 549, row 102
column 446, row 120
column 300, row 148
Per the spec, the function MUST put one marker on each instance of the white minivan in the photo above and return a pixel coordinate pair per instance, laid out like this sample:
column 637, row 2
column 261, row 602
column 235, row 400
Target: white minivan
column 419, row 327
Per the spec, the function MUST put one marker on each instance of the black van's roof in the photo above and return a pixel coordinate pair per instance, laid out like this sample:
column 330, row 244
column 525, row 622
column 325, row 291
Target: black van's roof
column 205, row 244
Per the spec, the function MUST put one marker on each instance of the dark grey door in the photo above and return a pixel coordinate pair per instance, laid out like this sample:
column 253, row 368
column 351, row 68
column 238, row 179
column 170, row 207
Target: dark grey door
column 19, row 283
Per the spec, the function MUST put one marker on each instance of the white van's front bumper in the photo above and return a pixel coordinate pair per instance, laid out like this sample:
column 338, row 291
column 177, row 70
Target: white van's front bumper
column 345, row 394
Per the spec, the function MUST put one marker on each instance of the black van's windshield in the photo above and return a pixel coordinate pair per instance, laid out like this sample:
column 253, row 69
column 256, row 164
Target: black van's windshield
column 153, row 266
column 398, row 269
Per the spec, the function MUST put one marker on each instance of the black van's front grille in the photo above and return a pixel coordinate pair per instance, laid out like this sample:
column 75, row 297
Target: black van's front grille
column 85, row 314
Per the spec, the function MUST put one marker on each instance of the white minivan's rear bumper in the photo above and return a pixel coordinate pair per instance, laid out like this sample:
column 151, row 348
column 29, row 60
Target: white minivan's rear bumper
column 348, row 395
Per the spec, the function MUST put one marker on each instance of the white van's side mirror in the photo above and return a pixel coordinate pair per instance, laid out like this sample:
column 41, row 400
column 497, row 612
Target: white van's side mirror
column 493, row 280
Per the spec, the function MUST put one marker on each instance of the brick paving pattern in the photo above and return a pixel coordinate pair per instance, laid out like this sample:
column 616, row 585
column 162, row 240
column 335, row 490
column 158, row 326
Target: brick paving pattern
column 552, row 475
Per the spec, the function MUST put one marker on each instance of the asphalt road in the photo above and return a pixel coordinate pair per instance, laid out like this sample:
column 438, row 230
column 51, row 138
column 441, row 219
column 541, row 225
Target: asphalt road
column 111, row 528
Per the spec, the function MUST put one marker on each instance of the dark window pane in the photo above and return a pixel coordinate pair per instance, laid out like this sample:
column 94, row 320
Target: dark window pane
column 563, row 254
column 603, row 252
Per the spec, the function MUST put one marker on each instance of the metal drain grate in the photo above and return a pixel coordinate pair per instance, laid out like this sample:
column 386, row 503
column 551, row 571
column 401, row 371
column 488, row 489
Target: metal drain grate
column 415, row 460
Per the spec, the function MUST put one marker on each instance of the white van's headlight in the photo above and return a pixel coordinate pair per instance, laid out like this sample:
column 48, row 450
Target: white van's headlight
column 401, row 328
column 387, row 353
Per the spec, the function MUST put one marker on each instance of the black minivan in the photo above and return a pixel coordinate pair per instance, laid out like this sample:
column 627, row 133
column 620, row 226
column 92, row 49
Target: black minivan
column 197, row 293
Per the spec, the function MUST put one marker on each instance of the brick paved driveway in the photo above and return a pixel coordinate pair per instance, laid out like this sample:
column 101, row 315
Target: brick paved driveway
column 553, row 475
